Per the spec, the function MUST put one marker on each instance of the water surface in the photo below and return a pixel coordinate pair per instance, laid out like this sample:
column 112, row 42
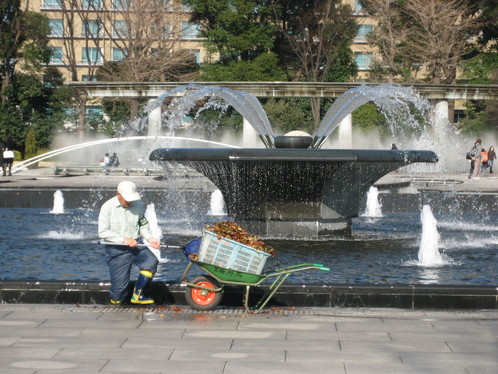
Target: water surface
column 38, row 245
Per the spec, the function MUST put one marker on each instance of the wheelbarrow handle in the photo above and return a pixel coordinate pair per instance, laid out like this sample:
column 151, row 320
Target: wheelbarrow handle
column 102, row 242
column 299, row 267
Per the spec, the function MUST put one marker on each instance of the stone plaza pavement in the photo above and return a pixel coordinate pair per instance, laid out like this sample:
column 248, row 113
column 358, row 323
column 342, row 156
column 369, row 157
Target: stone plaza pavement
column 59, row 338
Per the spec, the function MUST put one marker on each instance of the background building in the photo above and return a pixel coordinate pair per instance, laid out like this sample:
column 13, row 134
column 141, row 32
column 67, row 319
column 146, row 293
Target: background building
column 86, row 34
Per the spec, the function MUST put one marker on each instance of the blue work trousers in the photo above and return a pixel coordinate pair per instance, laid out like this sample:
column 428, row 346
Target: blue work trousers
column 120, row 259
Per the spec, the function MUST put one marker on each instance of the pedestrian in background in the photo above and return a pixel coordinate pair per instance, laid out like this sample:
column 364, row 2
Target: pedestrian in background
column 1, row 160
column 484, row 161
column 475, row 159
column 491, row 158
column 106, row 160
column 114, row 160
column 8, row 160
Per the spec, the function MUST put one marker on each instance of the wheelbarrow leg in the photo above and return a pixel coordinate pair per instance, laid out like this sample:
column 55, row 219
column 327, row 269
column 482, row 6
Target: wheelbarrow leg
column 189, row 266
column 267, row 295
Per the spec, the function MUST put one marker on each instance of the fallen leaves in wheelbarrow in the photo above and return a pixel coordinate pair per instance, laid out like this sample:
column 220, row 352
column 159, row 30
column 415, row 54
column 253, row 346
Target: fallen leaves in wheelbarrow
column 232, row 230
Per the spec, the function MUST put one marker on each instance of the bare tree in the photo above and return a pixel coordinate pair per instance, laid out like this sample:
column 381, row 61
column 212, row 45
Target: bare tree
column 440, row 35
column 145, row 37
column 389, row 36
column 82, row 46
column 314, row 33
column 123, row 40
column 430, row 33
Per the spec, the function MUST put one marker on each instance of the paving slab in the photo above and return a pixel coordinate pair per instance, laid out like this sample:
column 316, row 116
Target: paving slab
column 375, row 346
column 163, row 366
column 284, row 368
column 362, row 368
column 304, row 340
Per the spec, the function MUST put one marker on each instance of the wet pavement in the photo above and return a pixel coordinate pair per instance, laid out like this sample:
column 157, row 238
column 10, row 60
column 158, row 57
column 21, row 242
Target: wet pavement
column 99, row 339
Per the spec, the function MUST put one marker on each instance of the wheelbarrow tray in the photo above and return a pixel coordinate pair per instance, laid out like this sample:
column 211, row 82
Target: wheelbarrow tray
column 230, row 276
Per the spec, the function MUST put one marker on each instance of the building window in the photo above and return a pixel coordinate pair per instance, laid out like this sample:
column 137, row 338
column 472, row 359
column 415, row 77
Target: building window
column 162, row 31
column 89, row 78
column 91, row 27
column 118, row 54
column 363, row 60
column 120, row 4
column 197, row 55
column 185, row 7
column 51, row 4
column 56, row 27
column 363, row 32
column 56, row 55
column 91, row 56
column 94, row 113
column 119, row 29
column 357, row 7
column 167, row 32
column 91, row 4
column 190, row 30
column 459, row 115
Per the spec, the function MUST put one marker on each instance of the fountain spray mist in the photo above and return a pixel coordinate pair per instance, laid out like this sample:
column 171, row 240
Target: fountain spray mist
column 150, row 214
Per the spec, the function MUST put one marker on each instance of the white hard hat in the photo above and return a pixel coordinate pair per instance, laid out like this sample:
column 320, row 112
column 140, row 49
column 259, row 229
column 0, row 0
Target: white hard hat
column 128, row 190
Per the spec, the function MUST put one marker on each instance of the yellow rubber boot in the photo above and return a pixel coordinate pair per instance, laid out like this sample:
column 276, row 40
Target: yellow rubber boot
column 142, row 282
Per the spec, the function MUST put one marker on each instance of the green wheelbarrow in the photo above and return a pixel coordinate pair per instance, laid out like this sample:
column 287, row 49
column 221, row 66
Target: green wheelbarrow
column 204, row 292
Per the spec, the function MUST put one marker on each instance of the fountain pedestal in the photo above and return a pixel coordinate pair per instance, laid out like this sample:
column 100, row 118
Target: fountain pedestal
column 292, row 192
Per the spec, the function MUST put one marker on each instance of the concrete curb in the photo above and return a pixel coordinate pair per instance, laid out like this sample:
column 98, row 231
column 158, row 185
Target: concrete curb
column 293, row 295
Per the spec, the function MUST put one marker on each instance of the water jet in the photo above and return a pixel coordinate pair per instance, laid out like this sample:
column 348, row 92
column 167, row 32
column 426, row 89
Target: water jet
column 58, row 203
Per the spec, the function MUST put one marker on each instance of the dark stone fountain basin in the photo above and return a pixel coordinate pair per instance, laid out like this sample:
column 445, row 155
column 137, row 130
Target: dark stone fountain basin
column 297, row 192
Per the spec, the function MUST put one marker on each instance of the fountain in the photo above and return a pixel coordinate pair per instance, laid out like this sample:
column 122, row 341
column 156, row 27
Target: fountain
column 58, row 203
column 373, row 207
column 306, row 187
column 292, row 187
column 428, row 254
column 217, row 204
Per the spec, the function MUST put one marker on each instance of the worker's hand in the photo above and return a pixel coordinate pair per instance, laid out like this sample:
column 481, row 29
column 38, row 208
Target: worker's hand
column 154, row 243
column 130, row 242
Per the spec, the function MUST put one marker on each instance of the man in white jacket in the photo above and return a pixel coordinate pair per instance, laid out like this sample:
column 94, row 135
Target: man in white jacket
column 122, row 221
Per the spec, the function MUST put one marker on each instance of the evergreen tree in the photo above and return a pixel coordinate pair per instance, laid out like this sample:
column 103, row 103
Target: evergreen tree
column 23, row 44
column 23, row 39
column 30, row 147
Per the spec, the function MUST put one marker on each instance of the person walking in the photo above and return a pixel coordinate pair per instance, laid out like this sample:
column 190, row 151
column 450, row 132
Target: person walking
column 1, row 160
column 484, row 161
column 8, row 160
column 491, row 158
column 121, row 223
column 475, row 159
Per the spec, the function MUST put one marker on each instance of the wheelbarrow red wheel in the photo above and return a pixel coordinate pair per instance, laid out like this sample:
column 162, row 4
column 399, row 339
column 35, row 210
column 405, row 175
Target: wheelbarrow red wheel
column 201, row 299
